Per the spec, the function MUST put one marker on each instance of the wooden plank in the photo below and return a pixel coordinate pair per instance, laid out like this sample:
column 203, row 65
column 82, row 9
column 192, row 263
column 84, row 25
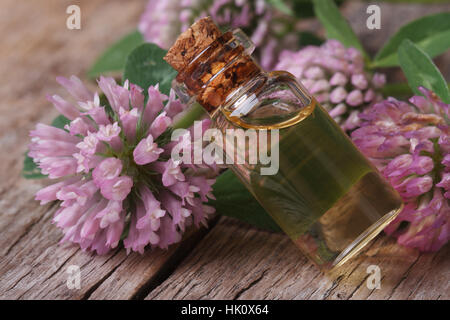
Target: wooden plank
column 36, row 267
column 33, row 265
column 138, row 274
column 37, row 47
column 427, row 279
column 235, row 261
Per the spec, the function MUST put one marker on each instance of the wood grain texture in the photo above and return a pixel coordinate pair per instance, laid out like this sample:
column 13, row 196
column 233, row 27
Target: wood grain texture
column 33, row 265
column 235, row 261
column 231, row 260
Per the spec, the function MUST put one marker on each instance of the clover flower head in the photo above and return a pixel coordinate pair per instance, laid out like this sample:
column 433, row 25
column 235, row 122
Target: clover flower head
column 410, row 145
column 116, row 178
column 335, row 76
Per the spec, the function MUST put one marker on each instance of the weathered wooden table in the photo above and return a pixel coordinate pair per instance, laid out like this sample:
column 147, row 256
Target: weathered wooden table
column 230, row 260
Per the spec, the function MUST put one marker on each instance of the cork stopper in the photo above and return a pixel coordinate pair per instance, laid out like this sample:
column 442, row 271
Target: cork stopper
column 210, row 64
column 191, row 42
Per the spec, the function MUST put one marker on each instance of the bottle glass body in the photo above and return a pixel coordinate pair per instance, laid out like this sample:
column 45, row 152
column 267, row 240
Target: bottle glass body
column 325, row 195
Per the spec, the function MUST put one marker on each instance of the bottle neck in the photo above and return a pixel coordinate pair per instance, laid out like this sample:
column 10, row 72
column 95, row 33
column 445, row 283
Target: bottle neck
column 218, row 71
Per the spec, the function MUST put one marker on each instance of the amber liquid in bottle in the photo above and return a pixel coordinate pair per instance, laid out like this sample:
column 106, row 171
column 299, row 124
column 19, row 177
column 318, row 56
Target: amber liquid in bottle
column 326, row 196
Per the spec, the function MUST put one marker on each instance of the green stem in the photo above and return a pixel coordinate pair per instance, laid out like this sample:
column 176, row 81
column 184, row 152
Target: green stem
column 195, row 112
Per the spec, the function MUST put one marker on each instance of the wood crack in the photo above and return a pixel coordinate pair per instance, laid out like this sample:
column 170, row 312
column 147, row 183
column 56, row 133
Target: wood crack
column 405, row 275
column 373, row 290
column 333, row 286
column 91, row 290
column 254, row 282
column 18, row 281
column 28, row 229
column 307, row 285
column 61, row 266
column 184, row 249
column 205, row 295
column 357, row 287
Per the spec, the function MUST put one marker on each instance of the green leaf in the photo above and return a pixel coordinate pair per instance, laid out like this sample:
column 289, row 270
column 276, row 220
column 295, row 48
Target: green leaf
column 114, row 58
column 281, row 6
column 335, row 24
column 420, row 70
column 145, row 67
column 430, row 33
column 399, row 90
column 30, row 169
column 234, row 200
column 60, row 121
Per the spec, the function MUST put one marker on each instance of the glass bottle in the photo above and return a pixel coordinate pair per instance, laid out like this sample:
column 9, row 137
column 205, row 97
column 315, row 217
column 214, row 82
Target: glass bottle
column 326, row 196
